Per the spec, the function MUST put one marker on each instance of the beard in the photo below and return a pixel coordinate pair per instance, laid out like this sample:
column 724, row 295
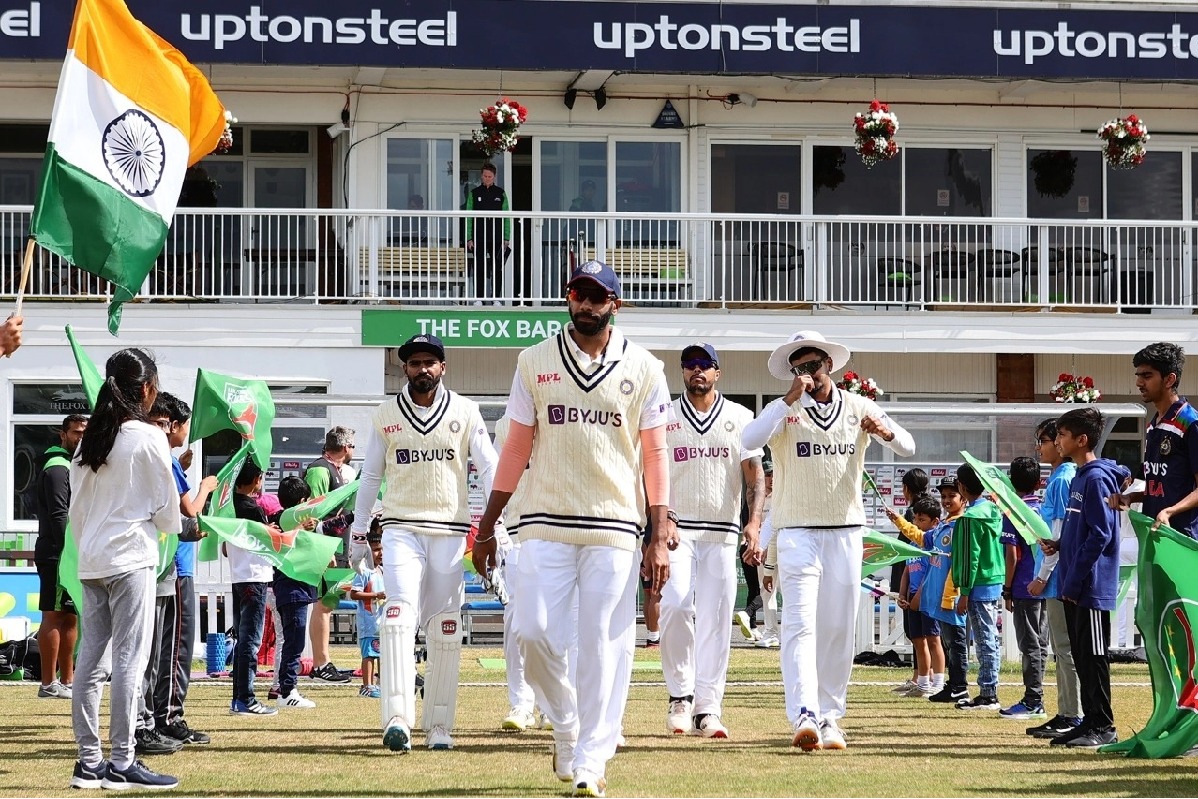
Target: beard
column 699, row 389
column 590, row 324
column 424, row 384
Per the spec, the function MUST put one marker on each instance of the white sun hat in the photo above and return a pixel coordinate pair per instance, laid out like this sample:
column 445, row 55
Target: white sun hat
column 779, row 362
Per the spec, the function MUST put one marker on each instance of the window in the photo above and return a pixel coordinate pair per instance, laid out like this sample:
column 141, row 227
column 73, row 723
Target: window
column 842, row 184
column 420, row 176
column 947, row 182
column 648, row 177
column 38, row 410
column 574, row 176
column 274, row 141
column 940, row 438
column 756, row 178
column 1150, row 191
column 1064, row 184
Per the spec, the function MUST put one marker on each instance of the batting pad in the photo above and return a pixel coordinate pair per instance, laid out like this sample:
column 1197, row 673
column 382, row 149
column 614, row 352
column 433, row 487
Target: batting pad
column 444, row 642
column 397, row 662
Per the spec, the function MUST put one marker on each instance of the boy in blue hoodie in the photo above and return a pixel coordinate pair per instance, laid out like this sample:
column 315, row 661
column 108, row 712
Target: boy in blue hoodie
column 1089, row 572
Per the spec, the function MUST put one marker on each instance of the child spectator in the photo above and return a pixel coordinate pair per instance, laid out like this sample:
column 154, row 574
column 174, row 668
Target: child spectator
column 1029, row 614
column 915, row 484
column 937, row 597
column 368, row 591
column 292, row 599
column 922, row 631
column 979, row 570
column 1047, row 584
column 251, row 579
column 1089, row 566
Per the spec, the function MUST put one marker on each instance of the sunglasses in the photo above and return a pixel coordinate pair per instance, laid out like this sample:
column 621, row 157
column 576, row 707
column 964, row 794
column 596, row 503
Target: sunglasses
column 698, row 363
column 595, row 296
column 807, row 368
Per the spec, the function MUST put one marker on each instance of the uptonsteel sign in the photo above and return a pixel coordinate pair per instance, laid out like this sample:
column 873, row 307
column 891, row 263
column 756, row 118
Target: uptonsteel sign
column 695, row 38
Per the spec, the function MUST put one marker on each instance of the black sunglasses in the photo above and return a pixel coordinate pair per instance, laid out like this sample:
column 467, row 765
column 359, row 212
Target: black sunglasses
column 699, row 363
column 807, row 368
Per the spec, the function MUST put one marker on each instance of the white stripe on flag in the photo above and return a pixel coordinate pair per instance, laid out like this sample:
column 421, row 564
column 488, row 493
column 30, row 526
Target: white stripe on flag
column 84, row 107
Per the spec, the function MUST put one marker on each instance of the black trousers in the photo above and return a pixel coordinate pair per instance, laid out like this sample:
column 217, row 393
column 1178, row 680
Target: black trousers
column 955, row 640
column 178, row 648
column 1090, row 640
column 488, row 261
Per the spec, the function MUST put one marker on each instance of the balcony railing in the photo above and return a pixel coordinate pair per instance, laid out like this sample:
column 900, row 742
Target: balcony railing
column 669, row 260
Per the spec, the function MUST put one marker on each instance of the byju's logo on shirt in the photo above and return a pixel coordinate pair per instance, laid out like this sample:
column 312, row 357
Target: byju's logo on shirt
column 809, row 449
column 403, row 457
column 683, row 454
column 564, row 414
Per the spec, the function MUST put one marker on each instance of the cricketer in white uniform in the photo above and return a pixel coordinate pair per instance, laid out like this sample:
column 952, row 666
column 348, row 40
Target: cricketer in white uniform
column 598, row 405
column 709, row 469
column 818, row 435
column 419, row 440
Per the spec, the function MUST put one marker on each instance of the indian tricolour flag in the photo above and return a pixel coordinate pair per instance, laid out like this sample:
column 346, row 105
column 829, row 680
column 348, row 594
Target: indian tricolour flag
column 130, row 116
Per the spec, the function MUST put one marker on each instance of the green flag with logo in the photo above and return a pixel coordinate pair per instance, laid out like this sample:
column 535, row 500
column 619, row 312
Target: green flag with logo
column 231, row 403
column 339, row 581
column 1167, row 615
column 299, row 554
column 220, row 502
column 880, row 550
column 319, row 507
column 1026, row 521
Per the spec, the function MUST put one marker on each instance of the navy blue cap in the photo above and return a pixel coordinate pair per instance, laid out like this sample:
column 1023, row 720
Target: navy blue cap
column 707, row 350
column 597, row 272
column 425, row 342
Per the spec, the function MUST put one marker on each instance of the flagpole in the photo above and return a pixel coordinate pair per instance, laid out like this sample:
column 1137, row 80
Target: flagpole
column 25, row 265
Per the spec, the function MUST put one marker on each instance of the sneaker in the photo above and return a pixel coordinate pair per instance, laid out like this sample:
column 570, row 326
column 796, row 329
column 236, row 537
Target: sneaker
column 948, row 695
column 746, row 626
column 84, row 777
column 370, row 692
column 980, row 702
column 439, row 738
column 563, row 760
column 1054, row 727
column 678, row 717
column 806, row 733
column 918, row 690
column 152, row 742
column 1022, row 710
column 707, row 725
column 542, row 722
column 518, row 720
column 181, row 732
column 767, row 642
column 273, row 693
column 329, row 673
column 831, row 736
column 137, row 777
column 397, row 736
column 588, row 784
column 54, row 690
column 651, row 644
column 1093, row 739
column 293, row 701
column 251, row 708
column 1064, row 738
column 902, row 690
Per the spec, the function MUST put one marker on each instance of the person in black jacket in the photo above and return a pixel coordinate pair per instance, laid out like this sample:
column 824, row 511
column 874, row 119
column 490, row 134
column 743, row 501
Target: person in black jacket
column 57, row 633
column 488, row 239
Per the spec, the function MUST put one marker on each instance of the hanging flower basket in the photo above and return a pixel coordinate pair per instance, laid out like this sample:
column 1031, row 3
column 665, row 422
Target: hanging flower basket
column 1074, row 389
column 501, row 123
column 1124, row 148
column 875, row 131
column 865, row 386
column 1053, row 173
column 225, row 143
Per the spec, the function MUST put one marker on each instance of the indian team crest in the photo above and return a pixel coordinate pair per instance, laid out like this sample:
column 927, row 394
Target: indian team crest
column 455, row 426
column 729, row 427
column 626, row 386
column 134, row 152
column 853, row 420
column 1166, row 446
column 1175, row 641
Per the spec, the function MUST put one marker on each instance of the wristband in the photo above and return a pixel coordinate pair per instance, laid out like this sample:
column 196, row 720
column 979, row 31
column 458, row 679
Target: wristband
column 485, row 540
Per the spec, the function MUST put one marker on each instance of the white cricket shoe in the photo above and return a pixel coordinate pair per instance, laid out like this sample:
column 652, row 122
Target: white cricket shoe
column 746, row 627
column 678, row 717
column 542, row 722
column 767, row 641
column 398, row 736
column 439, row 738
column 806, row 733
column 518, row 720
column 563, row 759
column 589, row 784
column 294, row 701
column 709, row 726
column 831, row 736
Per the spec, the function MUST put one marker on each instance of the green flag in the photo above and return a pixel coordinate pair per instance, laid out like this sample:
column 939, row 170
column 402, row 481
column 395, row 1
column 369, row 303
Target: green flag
column 319, row 507
column 220, row 503
column 232, row 403
column 880, row 551
column 299, row 554
column 68, row 572
column 88, row 373
column 1026, row 521
column 1167, row 615
column 339, row 581
column 868, row 484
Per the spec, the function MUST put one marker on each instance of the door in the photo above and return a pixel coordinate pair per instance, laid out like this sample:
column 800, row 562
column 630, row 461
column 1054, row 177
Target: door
column 279, row 256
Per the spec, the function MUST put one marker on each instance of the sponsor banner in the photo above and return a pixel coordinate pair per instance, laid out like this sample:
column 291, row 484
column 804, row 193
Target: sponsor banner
column 663, row 37
column 490, row 327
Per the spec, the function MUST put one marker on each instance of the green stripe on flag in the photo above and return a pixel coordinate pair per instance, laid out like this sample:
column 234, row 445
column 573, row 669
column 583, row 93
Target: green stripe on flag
column 319, row 507
column 1027, row 522
column 299, row 554
column 97, row 228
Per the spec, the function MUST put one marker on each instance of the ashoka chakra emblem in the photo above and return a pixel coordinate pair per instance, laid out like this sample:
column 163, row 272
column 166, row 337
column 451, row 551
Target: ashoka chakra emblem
column 134, row 153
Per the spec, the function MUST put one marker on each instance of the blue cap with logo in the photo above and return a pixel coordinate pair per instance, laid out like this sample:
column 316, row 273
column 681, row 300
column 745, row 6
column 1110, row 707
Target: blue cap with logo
column 597, row 272
column 698, row 350
column 425, row 342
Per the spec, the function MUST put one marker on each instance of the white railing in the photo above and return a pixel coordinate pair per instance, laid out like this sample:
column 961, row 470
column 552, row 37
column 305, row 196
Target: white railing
column 681, row 260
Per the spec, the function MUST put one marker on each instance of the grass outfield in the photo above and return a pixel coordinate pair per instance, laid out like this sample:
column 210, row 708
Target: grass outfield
column 335, row 750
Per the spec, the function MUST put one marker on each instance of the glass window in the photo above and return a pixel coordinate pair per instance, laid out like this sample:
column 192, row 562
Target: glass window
column 420, row 177
column 948, row 182
column 648, row 176
column 842, row 184
column 24, row 138
column 19, row 180
column 48, row 399
column 1064, row 184
column 756, row 178
column 272, row 142
column 574, row 176
column 29, row 442
column 285, row 411
column 1150, row 191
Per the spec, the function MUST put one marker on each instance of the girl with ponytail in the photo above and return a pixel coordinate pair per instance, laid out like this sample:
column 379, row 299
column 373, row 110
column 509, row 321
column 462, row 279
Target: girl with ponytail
column 122, row 494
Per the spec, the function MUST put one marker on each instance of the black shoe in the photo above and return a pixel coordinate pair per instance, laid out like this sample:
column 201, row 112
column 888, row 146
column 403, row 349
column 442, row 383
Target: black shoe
column 1066, row 737
column 980, row 702
column 1054, row 727
column 950, row 696
column 179, row 731
column 1093, row 739
column 329, row 673
column 151, row 742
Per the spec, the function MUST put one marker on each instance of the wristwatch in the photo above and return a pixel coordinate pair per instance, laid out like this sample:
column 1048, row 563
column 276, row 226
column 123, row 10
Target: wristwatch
column 671, row 515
